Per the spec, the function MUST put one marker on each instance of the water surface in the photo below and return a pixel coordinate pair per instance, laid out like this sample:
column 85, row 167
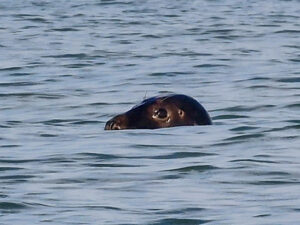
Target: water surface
column 68, row 66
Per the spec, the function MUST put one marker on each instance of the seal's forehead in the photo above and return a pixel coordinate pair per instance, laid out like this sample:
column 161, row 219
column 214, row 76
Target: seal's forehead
column 147, row 101
column 156, row 99
column 166, row 97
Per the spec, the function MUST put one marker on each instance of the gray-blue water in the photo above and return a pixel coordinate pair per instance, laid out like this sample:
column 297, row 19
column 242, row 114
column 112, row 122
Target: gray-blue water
column 66, row 67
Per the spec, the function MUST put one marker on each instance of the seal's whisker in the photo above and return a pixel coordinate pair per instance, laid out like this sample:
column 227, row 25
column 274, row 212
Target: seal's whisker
column 145, row 96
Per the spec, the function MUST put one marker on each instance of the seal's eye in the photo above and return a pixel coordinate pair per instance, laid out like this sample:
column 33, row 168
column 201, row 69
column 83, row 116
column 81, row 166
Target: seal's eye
column 180, row 112
column 160, row 113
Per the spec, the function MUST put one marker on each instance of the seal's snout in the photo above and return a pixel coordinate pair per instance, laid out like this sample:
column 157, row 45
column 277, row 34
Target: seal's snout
column 117, row 123
column 112, row 125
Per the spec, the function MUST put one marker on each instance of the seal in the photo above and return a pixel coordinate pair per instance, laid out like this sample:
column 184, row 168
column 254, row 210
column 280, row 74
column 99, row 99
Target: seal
column 161, row 112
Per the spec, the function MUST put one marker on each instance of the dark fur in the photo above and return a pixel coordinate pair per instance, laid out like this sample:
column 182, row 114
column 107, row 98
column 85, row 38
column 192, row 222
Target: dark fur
column 180, row 110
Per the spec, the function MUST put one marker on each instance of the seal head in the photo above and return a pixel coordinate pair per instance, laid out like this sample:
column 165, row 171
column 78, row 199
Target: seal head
column 161, row 112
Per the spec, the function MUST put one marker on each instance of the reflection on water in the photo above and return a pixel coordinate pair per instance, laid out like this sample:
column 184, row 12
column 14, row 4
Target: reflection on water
column 67, row 67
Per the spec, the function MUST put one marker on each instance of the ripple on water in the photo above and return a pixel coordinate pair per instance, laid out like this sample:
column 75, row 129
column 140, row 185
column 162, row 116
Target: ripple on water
column 228, row 117
column 180, row 155
column 7, row 206
column 31, row 94
column 2, row 168
column 289, row 80
column 105, row 165
column 175, row 221
column 13, row 68
column 244, row 137
column 18, row 84
column 198, row 168
column 14, row 179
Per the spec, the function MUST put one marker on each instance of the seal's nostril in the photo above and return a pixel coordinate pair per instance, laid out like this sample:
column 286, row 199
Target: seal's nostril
column 115, row 126
column 108, row 125
column 112, row 125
